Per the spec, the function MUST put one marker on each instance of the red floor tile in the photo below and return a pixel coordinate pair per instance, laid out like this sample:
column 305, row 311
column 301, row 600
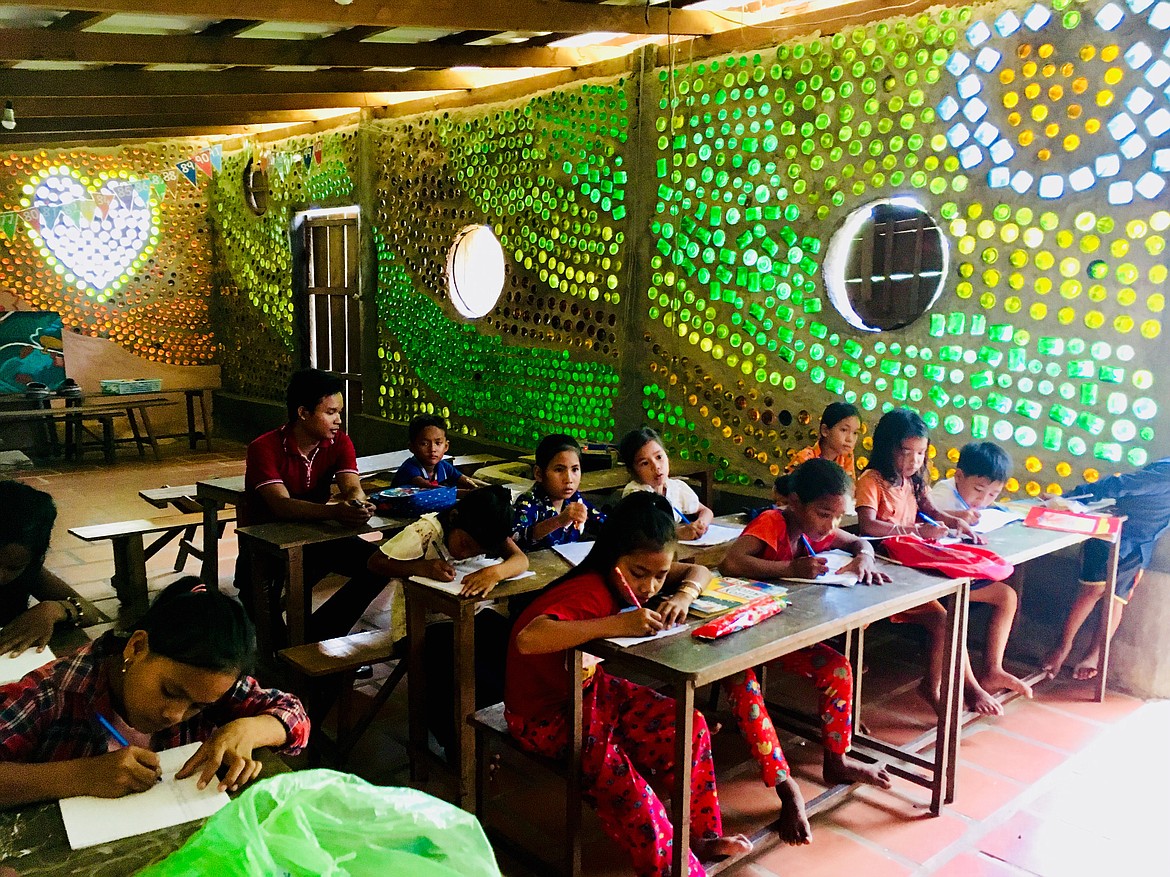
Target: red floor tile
column 1047, row 726
column 1077, row 698
column 831, row 854
column 892, row 822
column 975, row 865
column 1010, row 756
column 979, row 794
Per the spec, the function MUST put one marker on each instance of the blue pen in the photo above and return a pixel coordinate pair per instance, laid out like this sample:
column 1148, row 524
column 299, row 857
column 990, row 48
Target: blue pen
column 114, row 732
column 807, row 545
column 959, row 497
column 927, row 519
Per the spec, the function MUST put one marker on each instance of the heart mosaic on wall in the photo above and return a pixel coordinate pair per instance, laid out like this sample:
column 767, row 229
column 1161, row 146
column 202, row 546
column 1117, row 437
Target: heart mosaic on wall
column 96, row 236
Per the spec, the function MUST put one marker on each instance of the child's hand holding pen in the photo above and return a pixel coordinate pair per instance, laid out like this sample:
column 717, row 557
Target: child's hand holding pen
column 635, row 621
column 439, row 570
column 573, row 514
column 810, row 564
column 930, row 529
column 124, row 770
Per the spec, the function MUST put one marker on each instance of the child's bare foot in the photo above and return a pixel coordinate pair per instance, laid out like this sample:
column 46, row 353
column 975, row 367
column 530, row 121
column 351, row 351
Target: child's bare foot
column 1085, row 670
column 979, row 701
column 839, row 768
column 792, row 825
column 999, row 680
column 731, row 845
column 931, row 694
column 1054, row 662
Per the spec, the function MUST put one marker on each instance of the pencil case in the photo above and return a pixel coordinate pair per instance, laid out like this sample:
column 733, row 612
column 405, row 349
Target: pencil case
column 412, row 501
column 737, row 619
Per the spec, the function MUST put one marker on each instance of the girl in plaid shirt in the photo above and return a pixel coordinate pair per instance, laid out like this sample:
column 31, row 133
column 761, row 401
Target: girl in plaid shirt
column 179, row 677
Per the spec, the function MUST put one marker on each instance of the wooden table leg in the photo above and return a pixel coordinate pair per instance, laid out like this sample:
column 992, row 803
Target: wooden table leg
column 855, row 652
column 108, row 436
column 963, row 605
column 416, row 684
column 464, row 704
column 573, row 773
column 191, row 417
column 210, row 571
column 135, row 431
column 950, row 701
column 149, row 432
column 680, row 805
column 261, row 584
column 300, row 599
column 1107, row 616
column 206, row 419
column 129, row 578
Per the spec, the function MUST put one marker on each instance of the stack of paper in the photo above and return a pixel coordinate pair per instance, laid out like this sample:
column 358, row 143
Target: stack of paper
column 464, row 568
column 716, row 534
column 13, row 669
column 574, row 552
column 831, row 576
column 994, row 518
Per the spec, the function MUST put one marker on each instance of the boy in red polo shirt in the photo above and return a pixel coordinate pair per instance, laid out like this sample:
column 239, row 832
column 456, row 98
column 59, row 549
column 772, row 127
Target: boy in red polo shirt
column 288, row 477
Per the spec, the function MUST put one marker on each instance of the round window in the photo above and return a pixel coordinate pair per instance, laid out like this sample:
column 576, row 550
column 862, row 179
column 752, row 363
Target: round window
column 886, row 265
column 255, row 187
column 475, row 271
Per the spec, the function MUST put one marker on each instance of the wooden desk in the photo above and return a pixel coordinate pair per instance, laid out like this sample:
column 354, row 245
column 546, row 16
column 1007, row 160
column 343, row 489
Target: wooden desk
column 1018, row 544
column 217, row 493
column 285, row 542
column 421, row 599
column 34, row 843
column 817, row 613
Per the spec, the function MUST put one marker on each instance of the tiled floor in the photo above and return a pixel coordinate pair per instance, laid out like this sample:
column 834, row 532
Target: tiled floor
column 1058, row 787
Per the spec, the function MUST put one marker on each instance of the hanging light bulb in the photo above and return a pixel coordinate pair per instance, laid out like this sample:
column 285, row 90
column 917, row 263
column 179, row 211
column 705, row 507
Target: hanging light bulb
column 9, row 118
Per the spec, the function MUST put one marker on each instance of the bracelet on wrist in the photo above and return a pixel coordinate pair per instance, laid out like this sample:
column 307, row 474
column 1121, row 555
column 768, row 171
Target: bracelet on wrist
column 692, row 588
column 74, row 613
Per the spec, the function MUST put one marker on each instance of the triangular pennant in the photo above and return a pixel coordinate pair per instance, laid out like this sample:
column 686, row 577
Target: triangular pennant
column 124, row 192
column 317, row 149
column 32, row 218
column 8, row 225
column 49, row 214
column 187, row 169
column 86, row 209
column 158, row 187
column 217, row 157
column 307, row 157
column 102, row 202
column 203, row 161
column 72, row 212
column 142, row 191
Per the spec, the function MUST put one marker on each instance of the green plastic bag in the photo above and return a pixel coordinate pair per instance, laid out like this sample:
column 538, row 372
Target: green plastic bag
column 321, row 823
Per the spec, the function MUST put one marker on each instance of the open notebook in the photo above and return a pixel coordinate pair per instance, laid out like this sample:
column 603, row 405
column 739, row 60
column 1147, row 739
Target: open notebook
column 831, row 576
column 464, row 568
column 92, row 821
column 12, row 669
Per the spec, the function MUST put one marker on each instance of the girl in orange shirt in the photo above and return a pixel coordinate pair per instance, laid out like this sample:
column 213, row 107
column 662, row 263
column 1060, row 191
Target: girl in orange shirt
column 840, row 426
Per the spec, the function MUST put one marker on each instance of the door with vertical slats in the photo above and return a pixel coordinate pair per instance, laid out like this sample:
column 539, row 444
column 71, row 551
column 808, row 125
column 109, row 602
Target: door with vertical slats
column 332, row 304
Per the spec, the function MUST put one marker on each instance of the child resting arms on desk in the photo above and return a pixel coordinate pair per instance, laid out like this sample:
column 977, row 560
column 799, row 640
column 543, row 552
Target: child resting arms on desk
column 645, row 457
column 179, row 677
column 787, row 543
column 427, row 435
column 628, row 728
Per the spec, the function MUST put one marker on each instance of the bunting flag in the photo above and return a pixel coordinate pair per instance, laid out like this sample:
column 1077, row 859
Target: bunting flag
column 8, row 226
column 102, row 202
column 87, row 209
column 142, row 189
column 50, row 213
column 125, row 196
column 82, row 210
column 72, row 211
column 32, row 218
column 203, row 161
column 307, row 157
column 317, row 148
column 187, row 169
column 217, row 157
column 158, row 188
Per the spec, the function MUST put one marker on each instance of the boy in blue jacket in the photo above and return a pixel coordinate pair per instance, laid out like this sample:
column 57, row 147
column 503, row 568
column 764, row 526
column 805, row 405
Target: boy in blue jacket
column 1144, row 498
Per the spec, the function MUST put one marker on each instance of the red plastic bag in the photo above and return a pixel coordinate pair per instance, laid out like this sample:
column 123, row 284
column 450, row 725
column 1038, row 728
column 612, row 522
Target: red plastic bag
column 957, row 560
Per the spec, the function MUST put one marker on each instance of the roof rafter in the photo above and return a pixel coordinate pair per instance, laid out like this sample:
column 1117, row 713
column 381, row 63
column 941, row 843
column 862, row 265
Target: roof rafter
column 40, row 44
column 494, row 15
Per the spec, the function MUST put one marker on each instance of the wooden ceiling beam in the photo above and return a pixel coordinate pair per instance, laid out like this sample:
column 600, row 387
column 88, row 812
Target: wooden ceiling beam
column 40, row 44
column 13, row 141
column 216, row 119
column 113, row 83
column 48, row 107
column 493, row 15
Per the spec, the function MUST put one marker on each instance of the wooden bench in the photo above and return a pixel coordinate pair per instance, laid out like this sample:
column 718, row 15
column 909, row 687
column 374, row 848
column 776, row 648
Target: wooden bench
column 130, row 552
column 327, row 671
column 489, row 724
column 73, row 419
column 116, row 404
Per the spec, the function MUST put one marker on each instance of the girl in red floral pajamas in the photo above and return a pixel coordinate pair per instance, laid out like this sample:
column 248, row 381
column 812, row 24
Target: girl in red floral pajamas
column 628, row 728
column 777, row 544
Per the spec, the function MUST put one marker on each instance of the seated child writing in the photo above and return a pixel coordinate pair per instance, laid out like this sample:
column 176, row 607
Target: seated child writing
column 980, row 474
column 179, row 677
column 840, row 426
column 892, row 499
column 288, row 476
column 1144, row 496
column 26, row 525
column 645, row 457
column 427, row 468
column 628, row 728
column 774, row 545
column 479, row 523
column 553, row 512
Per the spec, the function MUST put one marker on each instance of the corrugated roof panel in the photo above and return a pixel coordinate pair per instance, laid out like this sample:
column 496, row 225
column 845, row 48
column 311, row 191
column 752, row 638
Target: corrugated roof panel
column 408, row 35
column 150, row 25
column 289, row 30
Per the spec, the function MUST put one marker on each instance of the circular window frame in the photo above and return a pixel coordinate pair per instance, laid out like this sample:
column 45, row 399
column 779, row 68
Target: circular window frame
column 476, row 296
column 838, row 254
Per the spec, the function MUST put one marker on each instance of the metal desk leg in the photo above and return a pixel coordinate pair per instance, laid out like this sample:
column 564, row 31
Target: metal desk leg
column 464, row 704
column 680, row 805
